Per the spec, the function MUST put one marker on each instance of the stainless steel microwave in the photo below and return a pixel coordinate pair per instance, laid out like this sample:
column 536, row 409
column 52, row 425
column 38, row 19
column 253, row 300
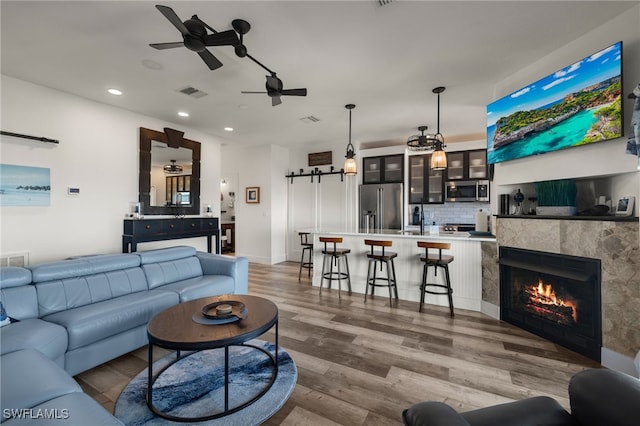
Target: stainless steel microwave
column 467, row 190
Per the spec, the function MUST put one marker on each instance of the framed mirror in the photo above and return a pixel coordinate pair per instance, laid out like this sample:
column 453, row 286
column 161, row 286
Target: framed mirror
column 169, row 175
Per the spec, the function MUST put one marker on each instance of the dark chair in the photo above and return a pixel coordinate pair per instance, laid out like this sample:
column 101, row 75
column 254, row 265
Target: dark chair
column 378, row 258
column 335, row 256
column 307, row 247
column 438, row 260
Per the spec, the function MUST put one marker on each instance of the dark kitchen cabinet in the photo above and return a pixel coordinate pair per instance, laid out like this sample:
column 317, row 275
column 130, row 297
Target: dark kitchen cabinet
column 383, row 169
column 467, row 165
column 425, row 185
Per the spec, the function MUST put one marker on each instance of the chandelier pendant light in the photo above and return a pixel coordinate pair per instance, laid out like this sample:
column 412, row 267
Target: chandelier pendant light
column 173, row 168
column 350, row 166
column 431, row 142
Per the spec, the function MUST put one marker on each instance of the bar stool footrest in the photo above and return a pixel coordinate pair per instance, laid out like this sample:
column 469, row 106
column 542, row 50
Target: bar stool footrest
column 448, row 290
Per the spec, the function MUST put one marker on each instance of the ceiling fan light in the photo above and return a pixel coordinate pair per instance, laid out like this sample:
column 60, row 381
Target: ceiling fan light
column 173, row 168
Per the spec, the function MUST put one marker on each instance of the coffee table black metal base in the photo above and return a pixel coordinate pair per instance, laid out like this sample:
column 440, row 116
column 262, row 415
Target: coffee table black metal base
column 260, row 325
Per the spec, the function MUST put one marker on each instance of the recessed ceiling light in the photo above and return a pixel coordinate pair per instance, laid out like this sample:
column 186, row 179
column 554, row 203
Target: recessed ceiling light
column 183, row 114
column 228, row 129
column 152, row 65
column 243, row 106
column 115, row 92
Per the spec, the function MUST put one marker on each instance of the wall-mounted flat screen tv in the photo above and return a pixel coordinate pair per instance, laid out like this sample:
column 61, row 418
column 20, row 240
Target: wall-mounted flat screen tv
column 577, row 105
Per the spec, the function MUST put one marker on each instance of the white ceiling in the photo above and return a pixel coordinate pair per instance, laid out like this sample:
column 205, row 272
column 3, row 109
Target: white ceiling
column 385, row 59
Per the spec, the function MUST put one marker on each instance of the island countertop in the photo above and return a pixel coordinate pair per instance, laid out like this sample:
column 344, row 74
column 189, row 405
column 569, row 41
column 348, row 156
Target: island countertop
column 465, row 271
column 407, row 233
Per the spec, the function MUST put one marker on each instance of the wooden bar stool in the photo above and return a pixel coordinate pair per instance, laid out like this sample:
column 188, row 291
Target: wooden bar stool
column 308, row 248
column 335, row 255
column 379, row 257
column 437, row 261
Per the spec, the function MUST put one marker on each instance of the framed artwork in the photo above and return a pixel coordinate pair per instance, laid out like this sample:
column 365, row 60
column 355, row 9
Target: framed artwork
column 253, row 194
column 320, row 158
column 24, row 186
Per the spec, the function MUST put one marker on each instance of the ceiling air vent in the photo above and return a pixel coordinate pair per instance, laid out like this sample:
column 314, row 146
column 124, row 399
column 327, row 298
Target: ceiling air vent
column 309, row 119
column 193, row 92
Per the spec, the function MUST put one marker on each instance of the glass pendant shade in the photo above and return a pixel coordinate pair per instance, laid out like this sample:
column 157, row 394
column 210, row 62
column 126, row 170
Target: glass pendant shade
column 350, row 167
column 438, row 160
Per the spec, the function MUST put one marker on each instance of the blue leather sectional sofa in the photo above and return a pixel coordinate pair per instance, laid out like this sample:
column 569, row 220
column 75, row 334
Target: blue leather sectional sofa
column 76, row 314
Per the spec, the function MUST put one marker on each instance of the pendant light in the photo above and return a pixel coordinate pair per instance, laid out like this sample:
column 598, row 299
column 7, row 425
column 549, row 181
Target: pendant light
column 434, row 142
column 350, row 167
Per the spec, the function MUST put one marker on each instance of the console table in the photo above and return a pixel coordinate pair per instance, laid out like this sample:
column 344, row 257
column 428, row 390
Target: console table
column 146, row 230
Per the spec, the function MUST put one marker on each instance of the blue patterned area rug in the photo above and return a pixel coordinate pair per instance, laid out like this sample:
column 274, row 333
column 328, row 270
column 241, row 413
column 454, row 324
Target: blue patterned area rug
column 194, row 387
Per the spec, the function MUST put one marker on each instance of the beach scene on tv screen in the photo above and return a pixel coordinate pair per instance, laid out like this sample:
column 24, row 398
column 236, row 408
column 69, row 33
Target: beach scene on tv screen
column 577, row 105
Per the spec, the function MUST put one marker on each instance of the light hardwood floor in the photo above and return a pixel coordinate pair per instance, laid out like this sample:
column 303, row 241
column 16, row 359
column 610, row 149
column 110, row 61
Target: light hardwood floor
column 362, row 364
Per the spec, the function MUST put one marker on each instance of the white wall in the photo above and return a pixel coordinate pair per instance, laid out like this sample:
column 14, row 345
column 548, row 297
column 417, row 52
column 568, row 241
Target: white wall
column 98, row 153
column 601, row 159
column 260, row 228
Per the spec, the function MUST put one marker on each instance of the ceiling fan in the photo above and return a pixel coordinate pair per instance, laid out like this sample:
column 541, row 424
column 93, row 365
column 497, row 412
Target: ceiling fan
column 196, row 38
column 275, row 90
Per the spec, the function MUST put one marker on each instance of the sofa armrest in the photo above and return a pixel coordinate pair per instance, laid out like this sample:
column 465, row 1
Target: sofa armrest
column 604, row 397
column 534, row 411
column 432, row 414
column 235, row 267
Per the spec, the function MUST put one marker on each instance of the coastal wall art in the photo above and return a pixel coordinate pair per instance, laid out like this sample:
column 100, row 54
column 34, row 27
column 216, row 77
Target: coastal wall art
column 577, row 105
column 24, row 186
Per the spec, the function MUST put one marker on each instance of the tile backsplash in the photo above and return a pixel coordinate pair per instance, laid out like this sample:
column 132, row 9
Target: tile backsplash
column 450, row 212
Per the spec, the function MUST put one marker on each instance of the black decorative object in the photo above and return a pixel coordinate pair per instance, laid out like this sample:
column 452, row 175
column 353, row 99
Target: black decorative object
column 225, row 309
column 519, row 198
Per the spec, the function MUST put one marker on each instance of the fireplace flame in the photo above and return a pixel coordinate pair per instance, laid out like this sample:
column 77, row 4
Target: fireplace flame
column 545, row 295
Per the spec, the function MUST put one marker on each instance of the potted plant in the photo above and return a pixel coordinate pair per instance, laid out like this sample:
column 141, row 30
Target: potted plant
column 557, row 197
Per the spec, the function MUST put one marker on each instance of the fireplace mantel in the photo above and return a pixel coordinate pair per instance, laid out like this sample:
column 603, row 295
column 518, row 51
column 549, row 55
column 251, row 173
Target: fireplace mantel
column 614, row 242
column 591, row 218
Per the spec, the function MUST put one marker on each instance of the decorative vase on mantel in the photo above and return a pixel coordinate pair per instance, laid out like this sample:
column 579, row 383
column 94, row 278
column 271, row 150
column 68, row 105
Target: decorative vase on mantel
column 557, row 197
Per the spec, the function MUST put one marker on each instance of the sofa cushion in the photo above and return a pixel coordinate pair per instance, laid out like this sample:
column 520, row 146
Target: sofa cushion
column 14, row 276
column 29, row 378
column 71, row 409
column 601, row 396
column 73, row 292
column 46, row 337
column 165, row 254
column 171, row 271
column 534, row 411
column 203, row 286
column 62, row 269
column 20, row 302
column 91, row 323
column 432, row 413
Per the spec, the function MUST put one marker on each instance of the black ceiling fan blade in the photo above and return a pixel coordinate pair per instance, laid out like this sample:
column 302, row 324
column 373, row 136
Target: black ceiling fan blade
column 211, row 61
column 225, row 38
column 294, row 92
column 162, row 46
column 173, row 18
column 261, row 93
column 275, row 100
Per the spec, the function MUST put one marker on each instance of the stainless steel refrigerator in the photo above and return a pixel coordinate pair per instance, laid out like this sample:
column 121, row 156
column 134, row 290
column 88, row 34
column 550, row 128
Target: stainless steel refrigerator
column 381, row 207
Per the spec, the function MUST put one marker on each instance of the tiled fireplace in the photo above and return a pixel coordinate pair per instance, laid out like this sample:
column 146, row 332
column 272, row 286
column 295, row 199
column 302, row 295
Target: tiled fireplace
column 554, row 296
column 614, row 243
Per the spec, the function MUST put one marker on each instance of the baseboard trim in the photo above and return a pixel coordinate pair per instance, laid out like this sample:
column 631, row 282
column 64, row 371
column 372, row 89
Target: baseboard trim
column 615, row 361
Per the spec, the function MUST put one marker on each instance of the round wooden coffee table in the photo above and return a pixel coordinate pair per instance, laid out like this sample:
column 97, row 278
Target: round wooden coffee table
column 183, row 328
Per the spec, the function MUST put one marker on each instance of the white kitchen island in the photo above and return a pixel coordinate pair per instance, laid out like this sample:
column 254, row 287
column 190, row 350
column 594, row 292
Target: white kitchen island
column 465, row 270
